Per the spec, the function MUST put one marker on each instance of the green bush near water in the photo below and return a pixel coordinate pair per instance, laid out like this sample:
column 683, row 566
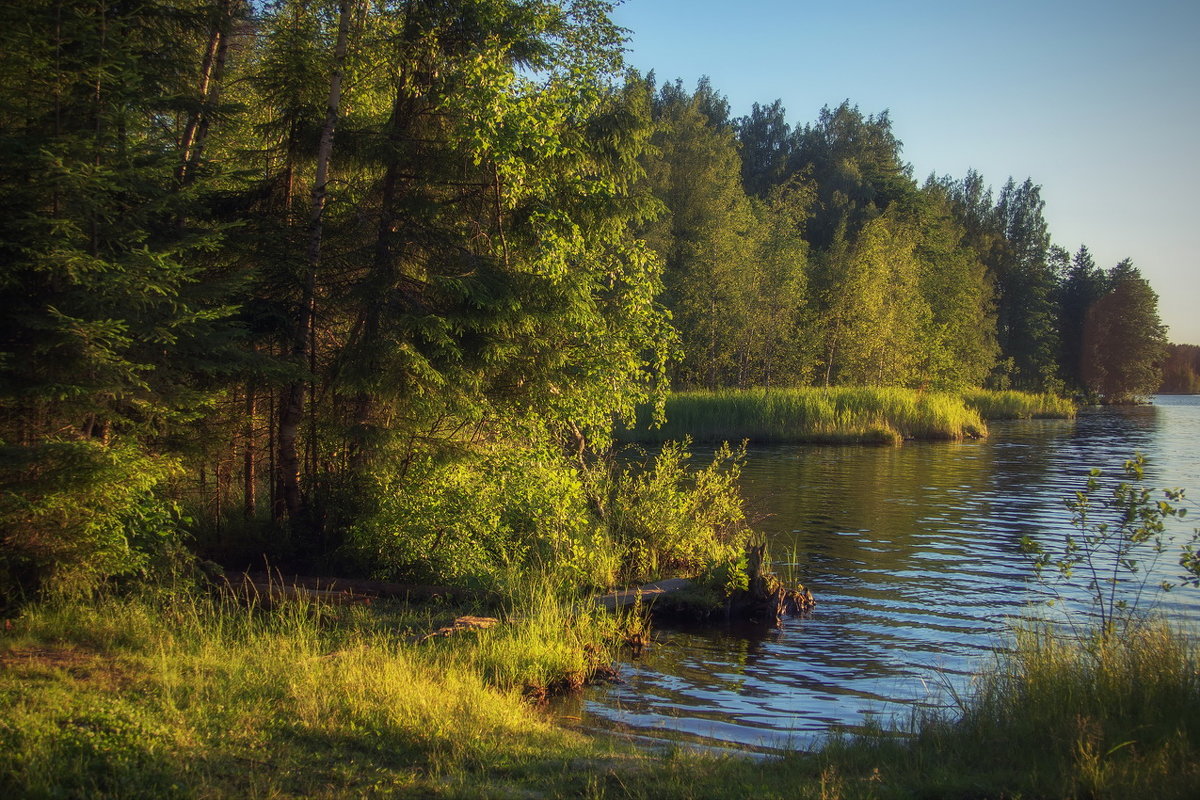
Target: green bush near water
column 489, row 518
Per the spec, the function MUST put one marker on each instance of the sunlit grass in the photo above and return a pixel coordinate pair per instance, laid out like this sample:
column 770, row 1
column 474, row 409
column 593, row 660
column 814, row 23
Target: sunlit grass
column 133, row 699
column 194, row 697
column 836, row 415
column 1061, row 715
column 1019, row 405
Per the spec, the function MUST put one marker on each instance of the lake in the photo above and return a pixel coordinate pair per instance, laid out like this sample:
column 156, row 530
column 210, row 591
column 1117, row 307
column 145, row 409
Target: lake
column 914, row 556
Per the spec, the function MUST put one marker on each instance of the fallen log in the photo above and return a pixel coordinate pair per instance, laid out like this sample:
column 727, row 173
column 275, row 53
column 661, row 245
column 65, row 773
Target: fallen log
column 766, row 597
column 460, row 624
column 642, row 594
column 265, row 587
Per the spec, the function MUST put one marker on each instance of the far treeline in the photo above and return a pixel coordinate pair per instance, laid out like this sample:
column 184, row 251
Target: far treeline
column 365, row 286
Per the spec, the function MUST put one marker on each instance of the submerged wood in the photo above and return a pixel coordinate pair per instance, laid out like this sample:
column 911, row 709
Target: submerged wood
column 767, row 598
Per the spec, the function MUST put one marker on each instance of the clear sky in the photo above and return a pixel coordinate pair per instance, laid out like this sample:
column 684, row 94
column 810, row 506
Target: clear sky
column 1098, row 102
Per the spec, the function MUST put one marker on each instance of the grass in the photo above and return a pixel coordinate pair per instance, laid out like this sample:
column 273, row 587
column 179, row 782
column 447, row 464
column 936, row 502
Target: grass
column 199, row 697
column 838, row 415
column 1019, row 405
column 1115, row 716
column 841, row 415
column 191, row 697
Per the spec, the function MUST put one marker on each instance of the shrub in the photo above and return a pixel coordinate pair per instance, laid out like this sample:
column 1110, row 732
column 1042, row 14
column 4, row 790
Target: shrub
column 668, row 520
column 74, row 513
column 480, row 519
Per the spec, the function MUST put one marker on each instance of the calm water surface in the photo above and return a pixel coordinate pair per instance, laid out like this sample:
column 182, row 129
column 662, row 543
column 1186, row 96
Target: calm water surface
column 914, row 556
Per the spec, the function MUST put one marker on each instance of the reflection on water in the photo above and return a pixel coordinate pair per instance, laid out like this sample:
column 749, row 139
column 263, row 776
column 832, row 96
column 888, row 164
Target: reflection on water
column 913, row 554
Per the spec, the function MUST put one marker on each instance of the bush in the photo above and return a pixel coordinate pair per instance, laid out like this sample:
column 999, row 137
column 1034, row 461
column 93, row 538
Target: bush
column 668, row 520
column 481, row 519
column 74, row 513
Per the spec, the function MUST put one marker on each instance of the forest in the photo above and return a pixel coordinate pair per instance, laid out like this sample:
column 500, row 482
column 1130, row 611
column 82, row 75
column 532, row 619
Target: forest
column 365, row 286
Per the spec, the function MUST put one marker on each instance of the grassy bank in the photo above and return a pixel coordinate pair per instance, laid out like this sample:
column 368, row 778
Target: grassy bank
column 838, row 415
column 189, row 698
column 1018, row 405
column 841, row 415
column 194, row 697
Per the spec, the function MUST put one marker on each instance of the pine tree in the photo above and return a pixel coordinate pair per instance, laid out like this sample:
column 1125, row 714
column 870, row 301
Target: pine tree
column 1124, row 342
column 1082, row 287
column 116, row 332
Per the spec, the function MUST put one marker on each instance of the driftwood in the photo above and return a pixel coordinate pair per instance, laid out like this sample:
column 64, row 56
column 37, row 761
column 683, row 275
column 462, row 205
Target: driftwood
column 459, row 625
column 643, row 594
column 766, row 597
column 264, row 587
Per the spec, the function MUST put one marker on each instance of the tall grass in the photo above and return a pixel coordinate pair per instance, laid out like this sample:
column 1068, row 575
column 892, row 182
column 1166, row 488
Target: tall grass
column 835, row 415
column 1018, row 405
column 191, row 697
column 1098, row 716
column 200, row 697
column 1056, row 717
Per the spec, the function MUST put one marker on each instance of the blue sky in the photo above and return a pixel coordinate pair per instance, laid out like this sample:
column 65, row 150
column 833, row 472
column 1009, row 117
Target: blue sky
column 1098, row 102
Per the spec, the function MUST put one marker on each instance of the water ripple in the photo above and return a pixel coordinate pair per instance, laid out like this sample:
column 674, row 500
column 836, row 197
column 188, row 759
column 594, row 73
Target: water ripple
column 914, row 555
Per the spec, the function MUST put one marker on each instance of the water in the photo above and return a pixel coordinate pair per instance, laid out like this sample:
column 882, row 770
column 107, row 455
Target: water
column 914, row 556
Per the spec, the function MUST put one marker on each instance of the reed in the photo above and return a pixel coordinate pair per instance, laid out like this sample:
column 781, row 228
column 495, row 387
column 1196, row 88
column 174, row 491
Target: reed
column 842, row 415
column 993, row 405
column 1078, row 716
column 1054, row 717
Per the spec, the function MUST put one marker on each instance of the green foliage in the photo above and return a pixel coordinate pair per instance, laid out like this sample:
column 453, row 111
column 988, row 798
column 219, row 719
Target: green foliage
column 956, row 348
column 1124, row 342
column 669, row 520
column 481, row 518
column 707, row 236
column 1120, row 535
column 280, row 262
column 1181, row 370
column 1026, row 283
column 1010, row 236
column 74, row 513
column 874, row 312
column 855, row 160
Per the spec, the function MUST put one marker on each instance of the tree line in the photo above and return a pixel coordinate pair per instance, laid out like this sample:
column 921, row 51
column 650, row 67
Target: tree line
column 810, row 255
column 281, row 268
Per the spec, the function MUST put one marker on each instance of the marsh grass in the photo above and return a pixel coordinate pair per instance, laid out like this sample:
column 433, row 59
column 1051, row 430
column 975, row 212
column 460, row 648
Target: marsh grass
column 1054, row 717
column 993, row 405
column 843, row 415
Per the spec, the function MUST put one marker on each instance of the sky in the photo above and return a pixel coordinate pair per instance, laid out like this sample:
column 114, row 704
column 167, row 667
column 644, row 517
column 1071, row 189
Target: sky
column 1098, row 102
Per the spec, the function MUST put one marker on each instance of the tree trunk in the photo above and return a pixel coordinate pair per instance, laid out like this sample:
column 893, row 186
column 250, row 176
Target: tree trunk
column 249, row 478
column 291, row 410
column 191, row 143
